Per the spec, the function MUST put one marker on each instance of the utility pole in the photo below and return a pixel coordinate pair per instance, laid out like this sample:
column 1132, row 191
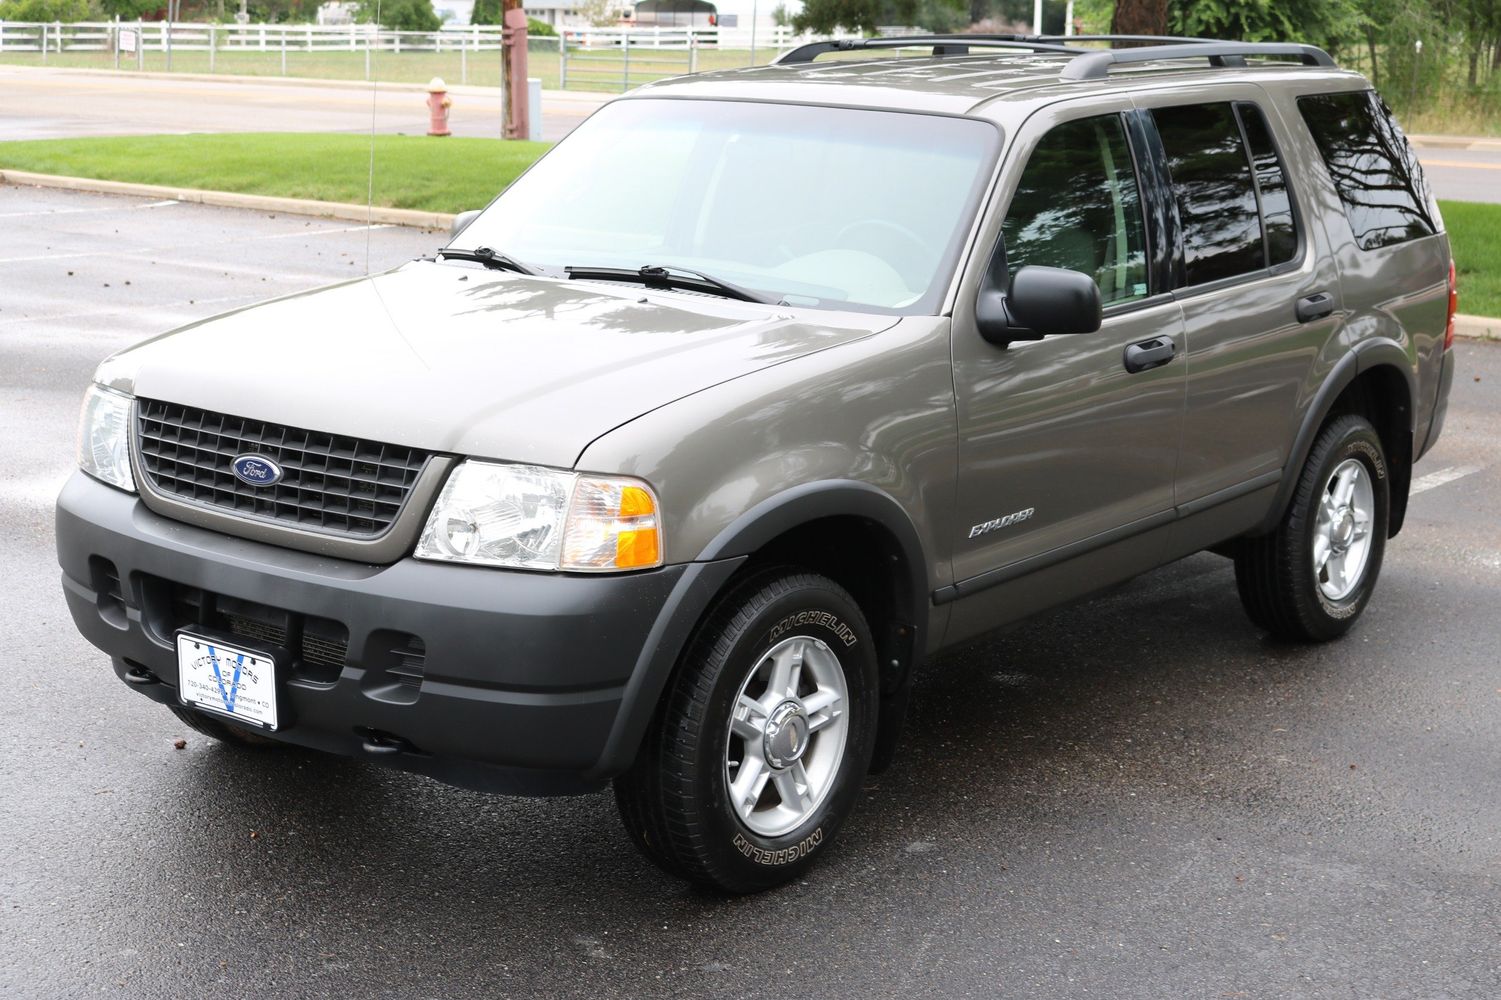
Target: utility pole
column 515, row 90
column 753, row 33
column 1036, row 17
column 506, row 6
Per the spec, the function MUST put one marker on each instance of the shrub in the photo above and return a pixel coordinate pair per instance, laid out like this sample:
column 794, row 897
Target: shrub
column 48, row 10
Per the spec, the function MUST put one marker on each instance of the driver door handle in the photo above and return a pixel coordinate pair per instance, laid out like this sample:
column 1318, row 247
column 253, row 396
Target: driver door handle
column 1150, row 354
column 1315, row 306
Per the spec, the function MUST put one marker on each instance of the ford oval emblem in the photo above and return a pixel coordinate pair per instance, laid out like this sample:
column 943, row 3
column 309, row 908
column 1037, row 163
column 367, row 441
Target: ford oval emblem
column 256, row 470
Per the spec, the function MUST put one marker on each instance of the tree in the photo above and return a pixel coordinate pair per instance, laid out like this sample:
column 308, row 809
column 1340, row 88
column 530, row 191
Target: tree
column 824, row 16
column 47, row 10
column 1139, row 17
column 493, row 12
column 1326, row 23
column 599, row 13
column 400, row 15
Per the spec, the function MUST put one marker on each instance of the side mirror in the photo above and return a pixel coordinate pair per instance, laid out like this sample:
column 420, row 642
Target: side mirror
column 1040, row 302
column 461, row 220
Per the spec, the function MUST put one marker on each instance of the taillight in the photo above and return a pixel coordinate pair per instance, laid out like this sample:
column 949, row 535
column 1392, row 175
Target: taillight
column 1453, row 308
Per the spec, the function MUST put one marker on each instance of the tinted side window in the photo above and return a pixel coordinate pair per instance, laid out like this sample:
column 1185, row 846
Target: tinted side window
column 1078, row 206
column 1372, row 168
column 1271, row 184
column 1212, row 185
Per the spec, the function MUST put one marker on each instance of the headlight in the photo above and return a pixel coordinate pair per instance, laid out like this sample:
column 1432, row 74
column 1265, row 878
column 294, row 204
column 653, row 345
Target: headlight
column 104, row 437
column 527, row 517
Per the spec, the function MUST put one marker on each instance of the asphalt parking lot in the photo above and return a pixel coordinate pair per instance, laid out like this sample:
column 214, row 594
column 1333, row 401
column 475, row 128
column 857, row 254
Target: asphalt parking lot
column 1138, row 796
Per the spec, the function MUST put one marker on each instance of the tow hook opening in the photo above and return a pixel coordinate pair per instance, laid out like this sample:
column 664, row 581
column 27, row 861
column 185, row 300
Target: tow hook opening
column 136, row 673
column 379, row 743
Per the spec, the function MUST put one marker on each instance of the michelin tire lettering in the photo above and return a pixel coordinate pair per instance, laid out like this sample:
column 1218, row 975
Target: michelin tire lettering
column 829, row 621
column 785, row 856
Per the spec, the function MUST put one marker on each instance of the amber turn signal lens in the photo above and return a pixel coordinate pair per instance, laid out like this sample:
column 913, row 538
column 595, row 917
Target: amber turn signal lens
column 637, row 549
column 612, row 525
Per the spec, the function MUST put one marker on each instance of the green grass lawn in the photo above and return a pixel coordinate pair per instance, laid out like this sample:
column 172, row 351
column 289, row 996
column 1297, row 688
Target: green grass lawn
column 1475, row 236
column 439, row 175
column 601, row 69
column 451, row 175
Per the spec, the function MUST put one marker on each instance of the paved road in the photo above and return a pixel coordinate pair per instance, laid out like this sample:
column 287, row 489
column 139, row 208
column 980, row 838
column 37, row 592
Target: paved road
column 1139, row 796
column 42, row 103
column 1463, row 174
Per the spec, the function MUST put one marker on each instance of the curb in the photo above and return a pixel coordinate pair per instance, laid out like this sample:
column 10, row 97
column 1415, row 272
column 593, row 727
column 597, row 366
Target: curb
column 1454, row 142
column 558, row 96
column 228, row 199
column 1477, row 327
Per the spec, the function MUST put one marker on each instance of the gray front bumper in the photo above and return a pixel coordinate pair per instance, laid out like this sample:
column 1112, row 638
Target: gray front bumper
column 532, row 683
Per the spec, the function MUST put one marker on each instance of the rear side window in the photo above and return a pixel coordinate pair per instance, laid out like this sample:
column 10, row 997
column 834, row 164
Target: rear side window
column 1078, row 206
column 1374, row 171
column 1215, row 193
column 1271, row 185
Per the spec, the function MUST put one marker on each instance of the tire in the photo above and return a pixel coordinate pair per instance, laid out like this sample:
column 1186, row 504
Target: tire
column 224, row 732
column 1280, row 584
column 805, row 754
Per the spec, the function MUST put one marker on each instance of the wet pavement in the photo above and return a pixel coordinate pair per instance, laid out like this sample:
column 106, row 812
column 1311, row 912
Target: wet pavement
column 1137, row 796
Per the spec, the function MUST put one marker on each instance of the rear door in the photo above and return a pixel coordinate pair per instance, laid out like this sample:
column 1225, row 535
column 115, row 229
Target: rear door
column 1258, row 288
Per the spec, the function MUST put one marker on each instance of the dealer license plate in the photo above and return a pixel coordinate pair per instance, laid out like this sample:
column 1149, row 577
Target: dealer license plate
column 226, row 680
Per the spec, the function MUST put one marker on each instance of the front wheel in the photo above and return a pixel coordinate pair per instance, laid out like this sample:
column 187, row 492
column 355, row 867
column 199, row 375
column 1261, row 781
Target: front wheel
column 1312, row 577
column 763, row 738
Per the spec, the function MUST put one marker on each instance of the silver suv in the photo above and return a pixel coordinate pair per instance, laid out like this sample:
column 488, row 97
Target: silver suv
column 758, row 389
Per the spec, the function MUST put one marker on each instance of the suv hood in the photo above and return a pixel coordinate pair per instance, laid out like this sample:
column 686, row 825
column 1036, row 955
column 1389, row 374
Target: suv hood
column 457, row 359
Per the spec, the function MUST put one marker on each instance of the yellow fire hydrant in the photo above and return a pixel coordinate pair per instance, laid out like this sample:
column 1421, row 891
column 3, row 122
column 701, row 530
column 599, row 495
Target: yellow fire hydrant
column 438, row 103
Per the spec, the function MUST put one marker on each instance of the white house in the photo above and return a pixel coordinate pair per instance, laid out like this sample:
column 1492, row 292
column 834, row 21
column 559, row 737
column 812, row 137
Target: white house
column 729, row 14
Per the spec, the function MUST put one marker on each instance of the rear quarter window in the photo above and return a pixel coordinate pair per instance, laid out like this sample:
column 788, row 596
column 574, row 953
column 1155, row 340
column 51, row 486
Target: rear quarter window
column 1373, row 168
column 1278, row 221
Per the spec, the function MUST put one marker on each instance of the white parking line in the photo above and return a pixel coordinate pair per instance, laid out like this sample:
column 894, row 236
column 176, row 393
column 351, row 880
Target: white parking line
column 1438, row 478
column 87, row 211
column 239, row 239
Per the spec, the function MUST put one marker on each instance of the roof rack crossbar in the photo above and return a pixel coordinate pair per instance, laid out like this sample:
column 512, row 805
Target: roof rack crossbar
column 1096, row 65
column 1159, row 39
column 1087, row 64
column 942, row 45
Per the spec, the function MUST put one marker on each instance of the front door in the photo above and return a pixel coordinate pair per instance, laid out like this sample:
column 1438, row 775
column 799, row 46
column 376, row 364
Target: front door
column 1067, row 458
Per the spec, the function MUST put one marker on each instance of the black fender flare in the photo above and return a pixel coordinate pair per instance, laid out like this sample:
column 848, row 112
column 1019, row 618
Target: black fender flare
column 1364, row 357
column 707, row 575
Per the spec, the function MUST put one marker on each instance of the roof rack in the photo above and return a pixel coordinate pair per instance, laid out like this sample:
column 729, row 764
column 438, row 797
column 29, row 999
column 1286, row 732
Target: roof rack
column 1086, row 64
column 943, row 45
column 1096, row 65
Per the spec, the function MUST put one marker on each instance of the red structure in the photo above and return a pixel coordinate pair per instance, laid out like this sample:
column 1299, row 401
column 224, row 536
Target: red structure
column 517, row 125
column 438, row 103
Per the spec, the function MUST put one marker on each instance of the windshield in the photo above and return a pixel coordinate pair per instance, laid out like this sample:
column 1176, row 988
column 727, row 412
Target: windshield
column 817, row 206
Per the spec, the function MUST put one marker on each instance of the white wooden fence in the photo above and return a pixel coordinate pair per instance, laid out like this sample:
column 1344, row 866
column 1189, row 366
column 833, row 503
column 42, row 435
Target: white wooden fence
column 159, row 36
column 588, row 58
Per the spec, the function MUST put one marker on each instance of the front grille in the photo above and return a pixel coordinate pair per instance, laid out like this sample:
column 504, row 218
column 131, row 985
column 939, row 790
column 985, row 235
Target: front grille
column 331, row 483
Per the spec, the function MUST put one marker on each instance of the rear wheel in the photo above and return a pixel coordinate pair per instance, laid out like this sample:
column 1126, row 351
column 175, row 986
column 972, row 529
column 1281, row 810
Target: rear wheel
column 1312, row 577
column 224, row 732
column 763, row 738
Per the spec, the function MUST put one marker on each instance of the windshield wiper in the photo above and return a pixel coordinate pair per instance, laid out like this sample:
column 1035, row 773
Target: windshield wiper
column 672, row 276
column 489, row 258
